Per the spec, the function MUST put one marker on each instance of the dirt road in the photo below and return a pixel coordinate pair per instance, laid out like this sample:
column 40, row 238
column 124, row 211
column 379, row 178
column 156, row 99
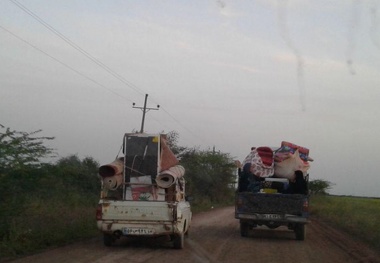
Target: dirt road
column 215, row 237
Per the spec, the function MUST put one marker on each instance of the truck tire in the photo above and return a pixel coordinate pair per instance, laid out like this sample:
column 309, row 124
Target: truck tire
column 179, row 241
column 300, row 231
column 244, row 229
column 108, row 240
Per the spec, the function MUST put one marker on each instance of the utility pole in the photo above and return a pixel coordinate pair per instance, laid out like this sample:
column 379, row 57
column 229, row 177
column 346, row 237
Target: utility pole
column 144, row 110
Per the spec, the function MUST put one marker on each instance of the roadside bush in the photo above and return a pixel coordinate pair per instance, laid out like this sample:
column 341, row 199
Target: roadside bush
column 49, row 223
column 210, row 176
column 47, row 206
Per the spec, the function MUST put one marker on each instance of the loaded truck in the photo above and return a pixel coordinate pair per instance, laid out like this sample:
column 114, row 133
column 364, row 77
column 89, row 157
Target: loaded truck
column 143, row 192
column 274, row 202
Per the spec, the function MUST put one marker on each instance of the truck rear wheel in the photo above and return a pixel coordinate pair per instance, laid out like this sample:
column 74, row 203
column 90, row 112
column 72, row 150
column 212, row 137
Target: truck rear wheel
column 300, row 231
column 179, row 241
column 244, row 228
column 108, row 240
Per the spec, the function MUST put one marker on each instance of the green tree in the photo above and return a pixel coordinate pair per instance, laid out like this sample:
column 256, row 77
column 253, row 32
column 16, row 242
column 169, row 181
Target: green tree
column 78, row 174
column 319, row 186
column 172, row 139
column 210, row 175
column 22, row 149
column 20, row 172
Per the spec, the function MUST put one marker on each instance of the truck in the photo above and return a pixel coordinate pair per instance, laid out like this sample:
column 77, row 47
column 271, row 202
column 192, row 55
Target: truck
column 271, row 201
column 143, row 192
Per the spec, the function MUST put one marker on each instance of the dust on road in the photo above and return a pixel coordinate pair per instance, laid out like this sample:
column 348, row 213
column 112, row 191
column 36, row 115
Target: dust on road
column 215, row 237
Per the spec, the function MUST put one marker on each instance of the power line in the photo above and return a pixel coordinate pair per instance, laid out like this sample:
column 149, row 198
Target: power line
column 179, row 123
column 62, row 63
column 72, row 44
column 78, row 48
column 89, row 56
column 88, row 78
column 65, row 65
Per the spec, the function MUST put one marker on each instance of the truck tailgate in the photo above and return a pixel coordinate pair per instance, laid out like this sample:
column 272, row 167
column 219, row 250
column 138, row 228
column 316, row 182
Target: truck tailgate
column 137, row 211
column 248, row 203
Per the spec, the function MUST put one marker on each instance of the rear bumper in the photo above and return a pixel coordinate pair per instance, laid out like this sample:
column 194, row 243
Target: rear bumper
column 123, row 228
column 284, row 219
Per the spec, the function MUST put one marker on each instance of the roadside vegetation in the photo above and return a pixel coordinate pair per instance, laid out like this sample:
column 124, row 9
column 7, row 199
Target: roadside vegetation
column 210, row 175
column 42, row 204
column 357, row 216
column 45, row 204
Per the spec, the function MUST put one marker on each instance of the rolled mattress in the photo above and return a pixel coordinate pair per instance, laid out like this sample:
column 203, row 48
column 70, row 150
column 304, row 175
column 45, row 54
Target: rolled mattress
column 167, row 178
column 112, row 182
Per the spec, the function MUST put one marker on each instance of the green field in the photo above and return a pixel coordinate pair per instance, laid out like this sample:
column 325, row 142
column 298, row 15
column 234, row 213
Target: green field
column 357, row 216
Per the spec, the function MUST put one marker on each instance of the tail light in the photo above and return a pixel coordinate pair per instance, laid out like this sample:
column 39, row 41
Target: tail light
column 99, row 212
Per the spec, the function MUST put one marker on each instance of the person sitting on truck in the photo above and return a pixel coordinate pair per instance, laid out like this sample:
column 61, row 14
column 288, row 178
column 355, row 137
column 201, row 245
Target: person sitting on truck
column 254, row 182
column 243, row 180
column 299, row 185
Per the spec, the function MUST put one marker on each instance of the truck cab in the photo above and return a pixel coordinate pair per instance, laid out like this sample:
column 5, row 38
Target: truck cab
column 143, row 192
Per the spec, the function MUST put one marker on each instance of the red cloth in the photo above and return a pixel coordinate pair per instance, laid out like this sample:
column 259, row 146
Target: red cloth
column 266, row 155
column 168, row 158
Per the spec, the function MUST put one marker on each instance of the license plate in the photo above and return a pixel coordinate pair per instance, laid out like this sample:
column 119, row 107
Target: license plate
column 137, row 231
column 271, row 216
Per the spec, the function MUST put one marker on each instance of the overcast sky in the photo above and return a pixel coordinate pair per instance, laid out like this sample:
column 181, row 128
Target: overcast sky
column 227, row 74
